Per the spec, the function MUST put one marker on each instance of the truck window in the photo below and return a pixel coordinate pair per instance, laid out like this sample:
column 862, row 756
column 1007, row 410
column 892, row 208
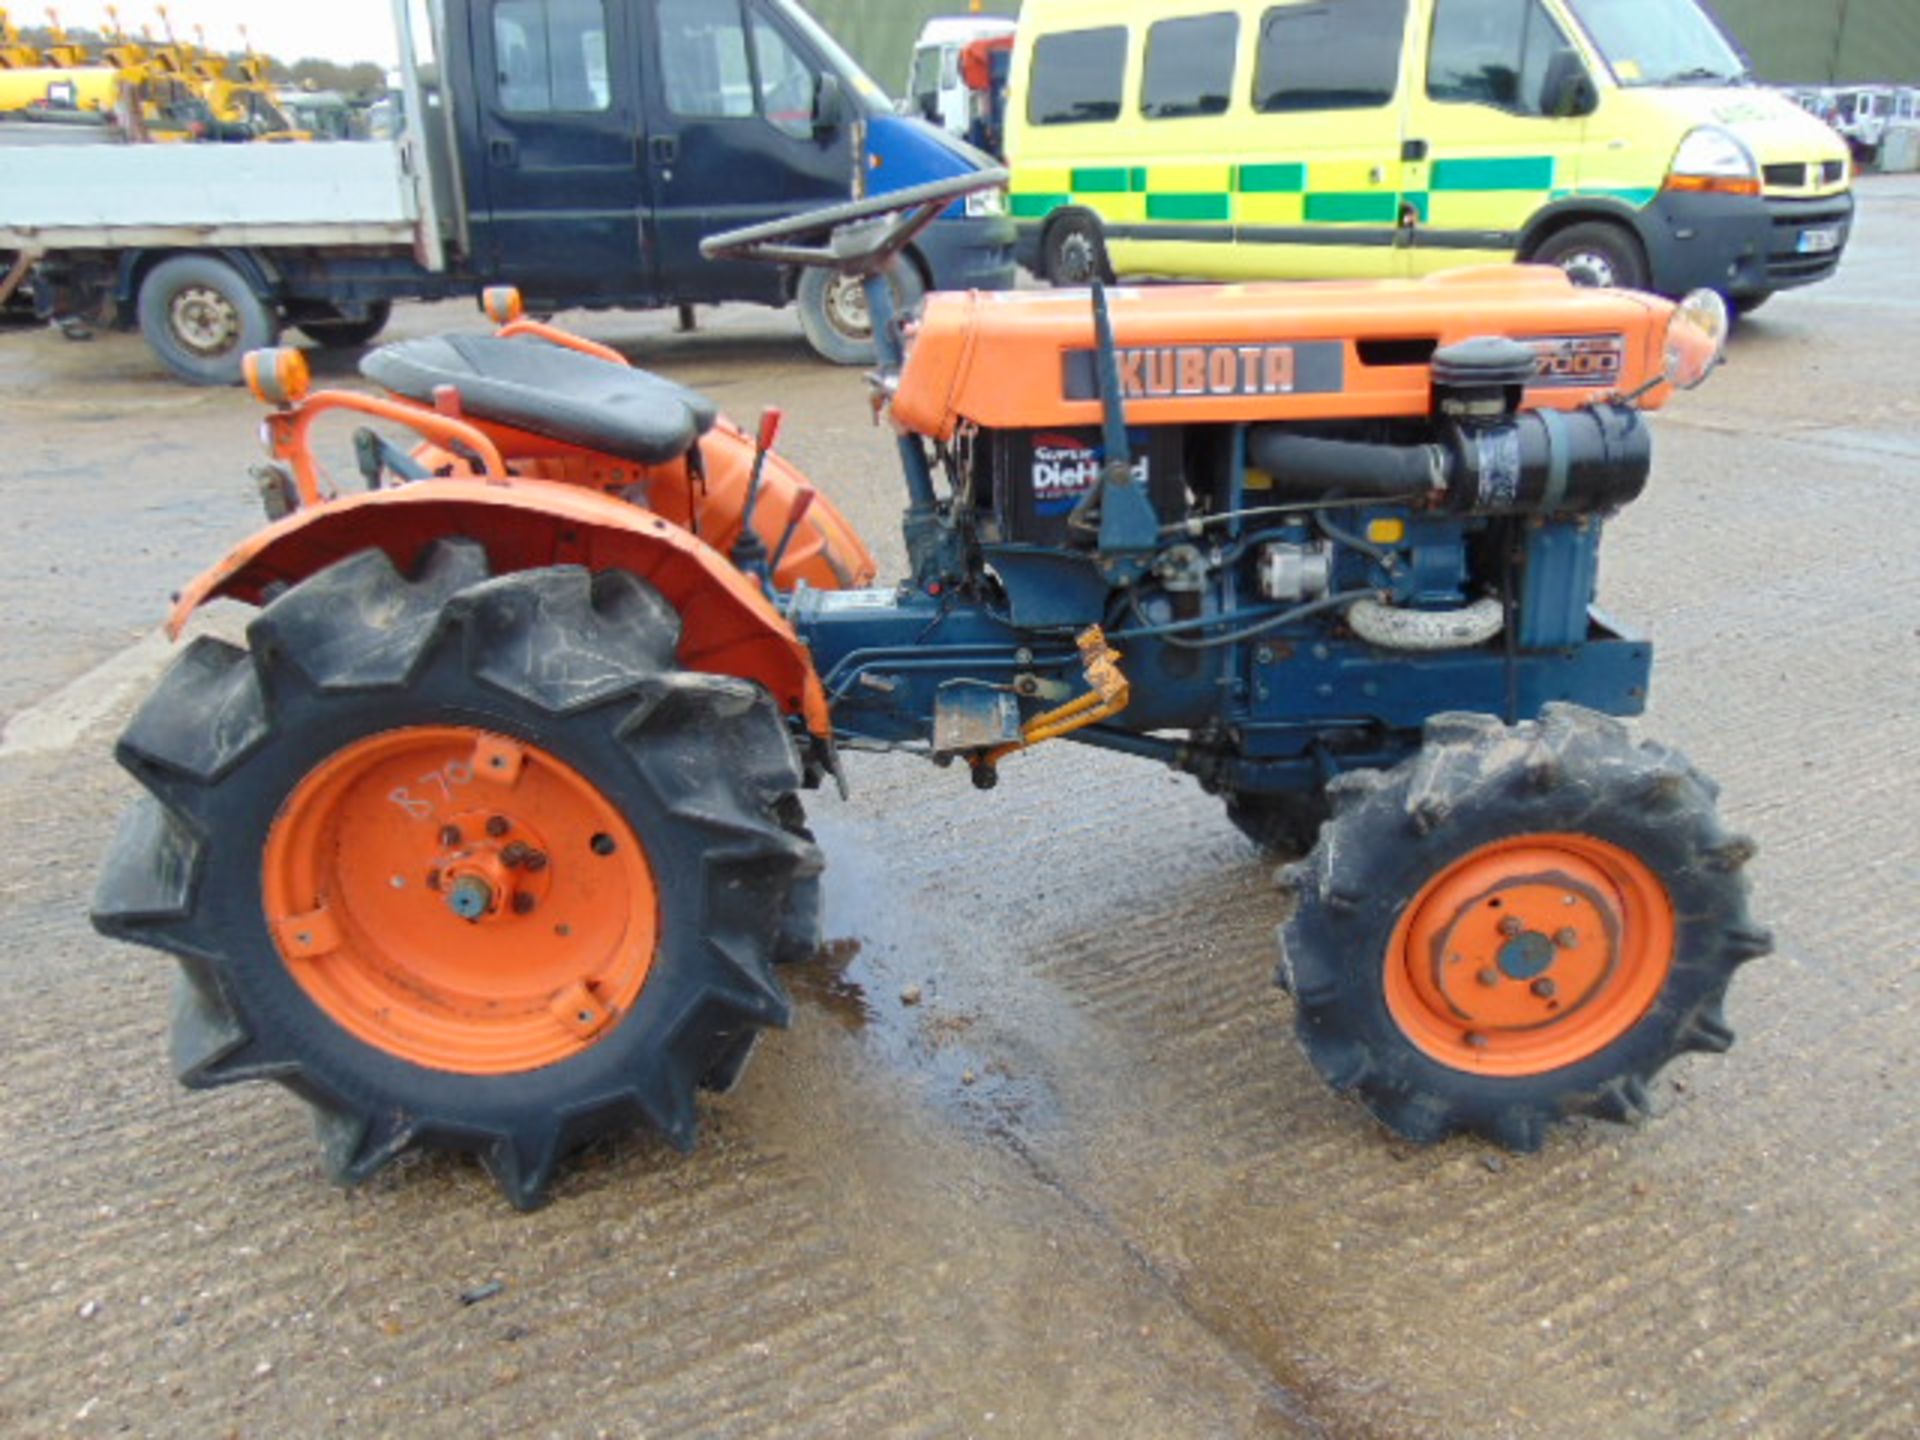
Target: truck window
column 1493, row 52
column 551, row 55
column 703, row 58
column 1329, row 55
column 787, row 82
column 1189, row 66
column 1078, row 76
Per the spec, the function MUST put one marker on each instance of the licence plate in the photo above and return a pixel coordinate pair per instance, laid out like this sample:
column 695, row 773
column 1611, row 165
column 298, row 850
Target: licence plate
column 1819, row 242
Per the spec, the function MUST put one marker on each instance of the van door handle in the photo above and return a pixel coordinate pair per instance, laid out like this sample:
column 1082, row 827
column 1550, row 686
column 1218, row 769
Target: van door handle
column 665, row 149
column 1413, row 149
column 503, row 152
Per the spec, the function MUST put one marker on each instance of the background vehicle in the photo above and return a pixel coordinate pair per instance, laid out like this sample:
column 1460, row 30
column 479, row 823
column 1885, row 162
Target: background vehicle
column 580, row 149
column 937, row 89
column 1402, row 137
column 510, row 859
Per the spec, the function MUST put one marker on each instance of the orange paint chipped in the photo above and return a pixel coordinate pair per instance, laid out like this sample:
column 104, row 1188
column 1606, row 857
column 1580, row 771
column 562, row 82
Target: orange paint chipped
column 455, row 923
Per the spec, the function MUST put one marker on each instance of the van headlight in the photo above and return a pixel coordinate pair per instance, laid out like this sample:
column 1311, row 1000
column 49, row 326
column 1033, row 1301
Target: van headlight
column 1712, row 160
column 986, row 204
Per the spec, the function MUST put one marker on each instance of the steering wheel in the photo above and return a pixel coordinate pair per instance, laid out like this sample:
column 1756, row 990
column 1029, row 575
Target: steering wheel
column 855, row 243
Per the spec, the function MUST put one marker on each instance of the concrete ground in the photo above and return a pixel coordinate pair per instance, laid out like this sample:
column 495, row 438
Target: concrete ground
column 1088, row 1186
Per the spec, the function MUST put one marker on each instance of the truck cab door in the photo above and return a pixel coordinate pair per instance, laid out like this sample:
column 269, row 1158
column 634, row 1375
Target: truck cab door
column 737, row 134
column 560, row 188
column 1498, row 119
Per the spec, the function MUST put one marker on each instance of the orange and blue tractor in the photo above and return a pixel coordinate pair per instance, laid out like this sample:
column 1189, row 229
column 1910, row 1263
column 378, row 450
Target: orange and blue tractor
column 491, row 835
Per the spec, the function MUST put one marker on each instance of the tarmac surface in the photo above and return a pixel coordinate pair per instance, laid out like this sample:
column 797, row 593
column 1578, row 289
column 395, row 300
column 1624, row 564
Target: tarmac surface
column 1087, row 1186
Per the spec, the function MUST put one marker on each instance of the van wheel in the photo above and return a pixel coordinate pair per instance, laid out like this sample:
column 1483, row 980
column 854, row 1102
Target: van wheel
column 833, row 310
column 1076, row 253
column 201, row 317
column 1744, row 305
column 1596, row 253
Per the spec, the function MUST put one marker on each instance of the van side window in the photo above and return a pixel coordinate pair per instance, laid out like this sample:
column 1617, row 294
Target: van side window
column 1329, row 55
column 1495, row 52
column 703, row 59
column 787, row 82
column 551, row 56
column 1189, row 66
column 1078, row 76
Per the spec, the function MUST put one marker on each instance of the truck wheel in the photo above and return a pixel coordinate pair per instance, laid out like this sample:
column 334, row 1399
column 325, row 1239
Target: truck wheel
column 833, row 310
column 1514, row 926
column 1596, row 253
column 1076, row 253
column 340, row 333
column 1285, row 823
column 201, row 317
column 466, row 863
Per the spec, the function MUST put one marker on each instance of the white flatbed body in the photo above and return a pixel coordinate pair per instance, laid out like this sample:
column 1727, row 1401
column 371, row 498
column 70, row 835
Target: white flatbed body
column 70, row 197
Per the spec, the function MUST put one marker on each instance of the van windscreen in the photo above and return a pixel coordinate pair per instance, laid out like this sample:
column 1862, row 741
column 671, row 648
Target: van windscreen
column 1329, row 55
column 1077, row 76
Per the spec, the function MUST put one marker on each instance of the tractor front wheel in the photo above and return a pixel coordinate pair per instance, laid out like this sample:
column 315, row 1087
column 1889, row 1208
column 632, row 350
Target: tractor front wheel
column 1285, row 823
column 465, row 861
column 1515, row 926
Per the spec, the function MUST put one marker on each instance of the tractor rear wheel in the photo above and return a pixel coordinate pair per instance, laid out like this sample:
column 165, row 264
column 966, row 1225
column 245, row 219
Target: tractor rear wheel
column 466, row 862
column 1514, row 926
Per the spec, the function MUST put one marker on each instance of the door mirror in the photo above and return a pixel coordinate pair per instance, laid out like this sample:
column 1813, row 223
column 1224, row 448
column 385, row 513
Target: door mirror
column 1567, row 92
column 829, row 105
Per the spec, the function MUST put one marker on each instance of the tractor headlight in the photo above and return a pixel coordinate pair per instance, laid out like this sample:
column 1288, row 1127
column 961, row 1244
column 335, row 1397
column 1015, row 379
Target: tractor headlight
column 1696, row 338
column 986, row 204
column 1713, row 160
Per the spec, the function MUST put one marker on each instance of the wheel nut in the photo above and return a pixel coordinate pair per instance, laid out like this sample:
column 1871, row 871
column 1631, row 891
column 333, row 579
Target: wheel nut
column 1568, row 939
column 515, row 855
column 1488, row 977
column 1511, row 926
column 449, row 834
column 523, row 903
column 1545, row 988
column 433, row 878
column 497, row 825
column 535, row 861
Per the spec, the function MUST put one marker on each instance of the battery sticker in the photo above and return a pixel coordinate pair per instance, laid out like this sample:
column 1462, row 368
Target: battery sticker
column 1065, row 468
column 1577, row 361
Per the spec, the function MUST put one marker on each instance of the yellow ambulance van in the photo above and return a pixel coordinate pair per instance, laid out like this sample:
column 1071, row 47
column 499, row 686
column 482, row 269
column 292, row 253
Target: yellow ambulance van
column 1307, row 139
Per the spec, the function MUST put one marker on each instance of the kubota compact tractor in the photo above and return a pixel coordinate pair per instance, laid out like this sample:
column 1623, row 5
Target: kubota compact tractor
column 491, row 839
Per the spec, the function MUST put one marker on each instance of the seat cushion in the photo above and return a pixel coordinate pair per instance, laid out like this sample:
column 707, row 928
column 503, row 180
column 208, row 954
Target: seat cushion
column 549, row 390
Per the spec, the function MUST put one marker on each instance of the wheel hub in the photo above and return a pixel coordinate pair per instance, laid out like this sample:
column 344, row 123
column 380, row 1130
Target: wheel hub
column 1588, row 267
column 461, row 900
column 204, row 320
column 847, row 307
column 1530, row 954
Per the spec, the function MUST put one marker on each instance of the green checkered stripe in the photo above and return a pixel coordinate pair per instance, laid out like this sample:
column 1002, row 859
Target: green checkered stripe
column 1302, row 192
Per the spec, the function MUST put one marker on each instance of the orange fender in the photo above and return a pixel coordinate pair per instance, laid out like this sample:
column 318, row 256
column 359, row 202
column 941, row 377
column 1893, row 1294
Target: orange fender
column 826, row 553
column 730, row 627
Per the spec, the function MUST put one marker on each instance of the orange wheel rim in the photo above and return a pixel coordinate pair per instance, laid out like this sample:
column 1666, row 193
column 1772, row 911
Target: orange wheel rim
column 460, row 900
column 1530, row 954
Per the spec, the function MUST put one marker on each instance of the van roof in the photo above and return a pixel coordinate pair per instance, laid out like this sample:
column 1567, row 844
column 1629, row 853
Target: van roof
column 950, row 29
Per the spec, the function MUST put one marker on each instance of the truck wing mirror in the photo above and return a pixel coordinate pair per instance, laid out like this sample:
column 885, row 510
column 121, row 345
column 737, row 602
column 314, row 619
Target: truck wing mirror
column 1567, row 92
column 829, row 105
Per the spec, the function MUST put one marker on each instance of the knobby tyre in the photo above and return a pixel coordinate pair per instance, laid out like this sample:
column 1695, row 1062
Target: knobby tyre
column 357, row 932
column 1515, row 926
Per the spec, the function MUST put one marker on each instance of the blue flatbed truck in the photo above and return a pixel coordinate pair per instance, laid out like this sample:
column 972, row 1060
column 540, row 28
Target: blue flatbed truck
column 578, row 149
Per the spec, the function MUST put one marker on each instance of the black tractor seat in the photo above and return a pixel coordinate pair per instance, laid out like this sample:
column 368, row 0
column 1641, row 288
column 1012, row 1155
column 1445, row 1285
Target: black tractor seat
column 549, row 390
